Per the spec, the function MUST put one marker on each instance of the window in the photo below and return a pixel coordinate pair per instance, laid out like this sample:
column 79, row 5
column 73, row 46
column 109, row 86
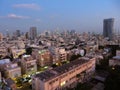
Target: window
column 63, row 83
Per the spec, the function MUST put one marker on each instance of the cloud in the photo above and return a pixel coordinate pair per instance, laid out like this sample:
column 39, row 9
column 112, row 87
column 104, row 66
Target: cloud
column 37, row 20
column 27, row 6
column 14, row 16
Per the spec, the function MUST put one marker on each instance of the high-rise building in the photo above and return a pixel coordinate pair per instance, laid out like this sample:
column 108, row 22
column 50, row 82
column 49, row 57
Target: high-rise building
column 27, row 35
column 33, row 32
column 18, row 33
column 108, row 28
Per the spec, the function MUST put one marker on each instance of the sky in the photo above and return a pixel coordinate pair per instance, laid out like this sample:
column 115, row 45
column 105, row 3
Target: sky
column 80, row 15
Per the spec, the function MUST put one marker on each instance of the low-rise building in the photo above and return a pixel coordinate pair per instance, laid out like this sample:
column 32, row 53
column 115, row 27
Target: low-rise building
column 13, row 70
column 66, row 76
column 114, row 61
column 3, row 64
column 17, row 52
column 10, row 85
column 58, row 54
column 3, row 51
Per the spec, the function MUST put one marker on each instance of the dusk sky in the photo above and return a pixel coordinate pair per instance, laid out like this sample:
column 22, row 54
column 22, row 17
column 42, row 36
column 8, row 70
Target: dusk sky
column 81, row 15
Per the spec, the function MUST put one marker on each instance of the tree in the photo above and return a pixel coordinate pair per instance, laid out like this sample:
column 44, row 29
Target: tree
column 19, row 81
column 112, row 82
column 28, row 50
column 54, row 65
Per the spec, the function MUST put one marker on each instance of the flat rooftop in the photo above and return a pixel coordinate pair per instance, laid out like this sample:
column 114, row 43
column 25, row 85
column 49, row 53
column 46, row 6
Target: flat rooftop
column 116, row 57
column 4, row 61
column 49, row 74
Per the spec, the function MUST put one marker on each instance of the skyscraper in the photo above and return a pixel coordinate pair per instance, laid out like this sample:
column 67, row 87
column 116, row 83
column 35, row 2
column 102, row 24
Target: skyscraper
column 33, row 32
column 18, row 33
column 108, row 28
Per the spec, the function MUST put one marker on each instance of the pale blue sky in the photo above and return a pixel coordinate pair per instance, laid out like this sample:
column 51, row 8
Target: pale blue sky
column 81, row 15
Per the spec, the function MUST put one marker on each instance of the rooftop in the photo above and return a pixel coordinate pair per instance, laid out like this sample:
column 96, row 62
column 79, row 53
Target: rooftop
column 4, row 61
column 25, row 56
column 47, row 75
column 12, row 66
column 116, row 57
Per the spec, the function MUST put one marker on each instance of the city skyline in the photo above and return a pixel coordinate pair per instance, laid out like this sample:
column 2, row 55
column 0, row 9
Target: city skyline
column 82, row 16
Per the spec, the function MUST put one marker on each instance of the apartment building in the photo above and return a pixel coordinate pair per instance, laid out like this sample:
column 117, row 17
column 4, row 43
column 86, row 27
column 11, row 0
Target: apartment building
column 43, row 57
column 3, row 51
column 114, row 61
column 62, row 54
column 58, row 54
column 13, row 70
column 66, row 76
column 28, row 64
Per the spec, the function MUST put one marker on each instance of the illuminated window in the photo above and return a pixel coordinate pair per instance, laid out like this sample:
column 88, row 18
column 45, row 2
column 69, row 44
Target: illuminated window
column 63, row 83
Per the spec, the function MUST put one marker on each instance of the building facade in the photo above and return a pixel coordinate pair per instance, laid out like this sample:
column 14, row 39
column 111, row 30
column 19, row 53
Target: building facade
column 62, row 54
column 13, row 70
column 66, row 76
column 28, row 64
column 114, row 61
column 18, row 34
column 108, row 28
column 44, row 58
column 33, row 33
column 58, row 54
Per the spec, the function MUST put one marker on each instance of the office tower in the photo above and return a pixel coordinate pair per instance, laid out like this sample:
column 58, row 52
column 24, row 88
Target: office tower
column 108, row 27
column 33, row 33
column 18, row 33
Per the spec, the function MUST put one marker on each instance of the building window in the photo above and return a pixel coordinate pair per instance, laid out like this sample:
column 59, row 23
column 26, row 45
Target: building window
column 63, row 83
